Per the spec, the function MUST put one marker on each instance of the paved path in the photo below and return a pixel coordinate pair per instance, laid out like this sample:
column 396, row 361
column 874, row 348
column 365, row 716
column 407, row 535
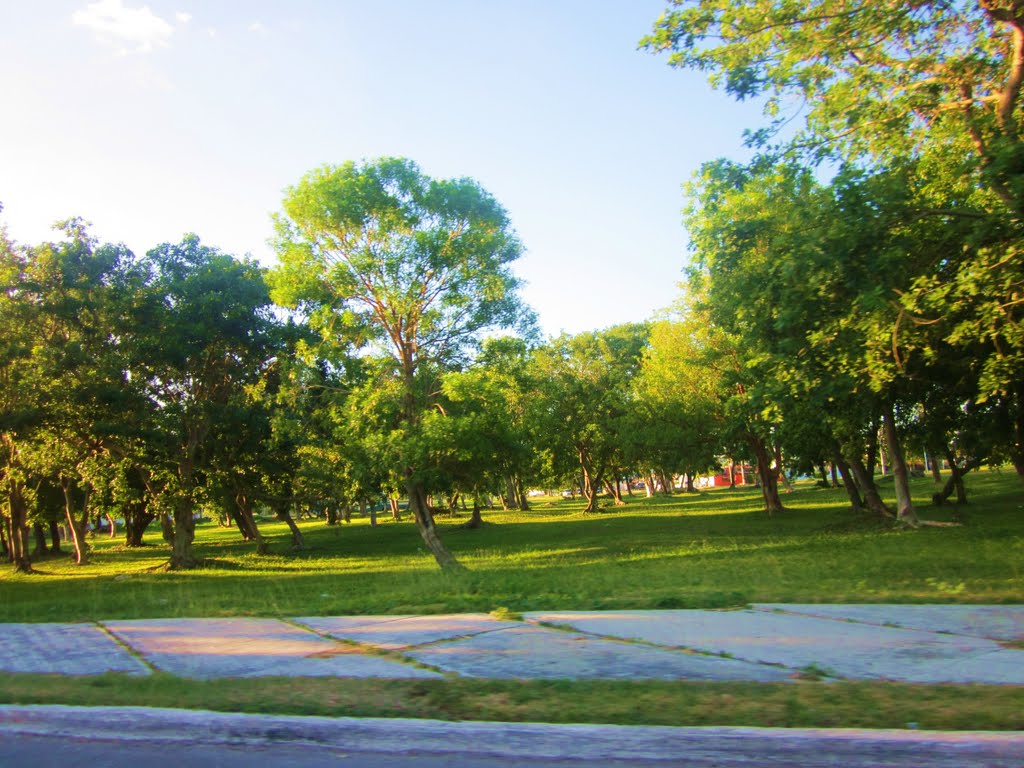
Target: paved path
column 911, row 643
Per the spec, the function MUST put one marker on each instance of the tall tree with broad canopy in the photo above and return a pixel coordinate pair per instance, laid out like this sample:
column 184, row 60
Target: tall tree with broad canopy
column 415, row 267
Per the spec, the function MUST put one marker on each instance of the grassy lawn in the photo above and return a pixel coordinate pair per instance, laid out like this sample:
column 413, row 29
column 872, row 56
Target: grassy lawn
column 803, row 704
column 713, row 549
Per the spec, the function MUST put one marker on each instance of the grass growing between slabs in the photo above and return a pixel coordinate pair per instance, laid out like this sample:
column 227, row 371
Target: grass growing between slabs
column 713, row 549
column 800, row 704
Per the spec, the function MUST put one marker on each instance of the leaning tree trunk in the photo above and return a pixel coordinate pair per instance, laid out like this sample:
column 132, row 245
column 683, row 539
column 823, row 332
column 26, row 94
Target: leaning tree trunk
column 590, row 483
column 244, row 504
column 667, row 486
column 297, row 541
column 866, row 484
column 956, row 480
column 767, row 474
column 615, row 489
column 838, row 462
column 904, row 506
column 76, row 524
column 428, row 531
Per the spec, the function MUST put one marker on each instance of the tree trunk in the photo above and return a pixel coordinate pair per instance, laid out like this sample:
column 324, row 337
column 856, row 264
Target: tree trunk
column 136, row 520
column 588, row 492
column 838, row 462
column 54, row 537
column 956, row 480
column 182, row 557
column 1017, row 450
column 667, row 486
column 615, row 490
column 872, row 450
column 832, row 470
column 824, row 475
column 904, row 506
column 510, row 494
column 732, row 474
column 524, row 502
column 396, row 514
column 76, row 524
column 781, row 472
column 244, row 504
column 933, row 465
column 866, row 483
column 884, row 451
column 689, row 483
column 428, row 531
column 167, row 528
column 18, row 528
column 767, row 475
column 297, row 541
column 368, row 509
column 39, row 535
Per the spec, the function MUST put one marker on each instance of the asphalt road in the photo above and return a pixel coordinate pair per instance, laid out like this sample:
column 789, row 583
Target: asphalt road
column 78, row 737
column 64, row 752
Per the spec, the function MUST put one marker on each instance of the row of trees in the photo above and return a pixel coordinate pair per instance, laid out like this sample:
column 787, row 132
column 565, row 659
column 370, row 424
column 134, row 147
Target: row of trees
column 864, row 271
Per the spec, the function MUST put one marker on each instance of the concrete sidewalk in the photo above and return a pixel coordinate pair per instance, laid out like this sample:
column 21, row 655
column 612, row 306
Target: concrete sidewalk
column 910, row 643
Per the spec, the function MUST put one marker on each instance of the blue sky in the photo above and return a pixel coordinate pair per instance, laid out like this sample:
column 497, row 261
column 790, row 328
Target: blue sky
column 152, row 119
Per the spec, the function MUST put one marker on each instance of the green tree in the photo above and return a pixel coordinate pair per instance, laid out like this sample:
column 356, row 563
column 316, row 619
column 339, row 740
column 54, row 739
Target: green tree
column 931, row 86
column 585, row 387
column 419, row 268
column 204, row 339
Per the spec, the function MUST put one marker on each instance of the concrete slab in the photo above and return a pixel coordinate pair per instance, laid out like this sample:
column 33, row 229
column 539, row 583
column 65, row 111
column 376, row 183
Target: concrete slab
column 844, row 649
column 395, row 632
column 64, row 649
column 995, row 622
column 538, row 652
column 210, row 648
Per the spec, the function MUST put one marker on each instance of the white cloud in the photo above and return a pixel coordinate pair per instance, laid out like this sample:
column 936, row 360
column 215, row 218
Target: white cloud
column 183, row 17
column 120, row 26
column 257, row 26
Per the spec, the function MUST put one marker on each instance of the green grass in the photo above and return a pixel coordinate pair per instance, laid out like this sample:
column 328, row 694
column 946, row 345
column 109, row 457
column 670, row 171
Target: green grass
column 714, row 549
column 801, row 704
